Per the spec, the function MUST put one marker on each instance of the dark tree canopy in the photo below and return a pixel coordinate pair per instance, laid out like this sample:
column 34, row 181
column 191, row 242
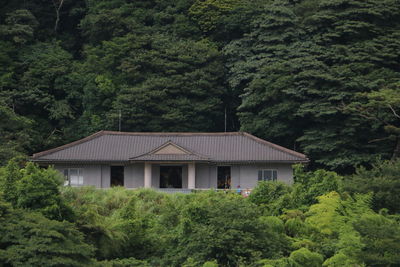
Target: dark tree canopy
column 305, row 74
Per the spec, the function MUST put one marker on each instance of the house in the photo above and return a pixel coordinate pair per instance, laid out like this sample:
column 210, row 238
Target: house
column 171, row 160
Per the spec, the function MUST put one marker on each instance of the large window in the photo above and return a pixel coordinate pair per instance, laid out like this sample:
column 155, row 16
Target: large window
column 117, row 176
column 224, row 177
column 267, row 175
column 170, row 176
column 73, row 177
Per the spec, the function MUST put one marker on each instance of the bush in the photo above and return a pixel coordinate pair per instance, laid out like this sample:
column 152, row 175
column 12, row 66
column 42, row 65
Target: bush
column 304, row 257
column 98, row 217
column 274, row 197
column 9, row 177
column 30, row 239
column 268, row 192
column 383, row 180
column 226, row 228
column 381, row 237
column 298, row 258
column 126, row 262
column 309, row 185
column 39, row 190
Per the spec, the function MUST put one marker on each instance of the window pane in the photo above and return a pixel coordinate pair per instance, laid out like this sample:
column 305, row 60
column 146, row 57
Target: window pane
column 267, row 175
column 66, row 180
column 260, row 177
column 80, row 177
column 275, row 175
column 73, row 177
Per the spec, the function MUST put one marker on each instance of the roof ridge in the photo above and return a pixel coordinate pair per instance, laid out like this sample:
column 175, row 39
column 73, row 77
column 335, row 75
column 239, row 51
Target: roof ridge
column 171, row 133
column 77, row 142
column 278, row 147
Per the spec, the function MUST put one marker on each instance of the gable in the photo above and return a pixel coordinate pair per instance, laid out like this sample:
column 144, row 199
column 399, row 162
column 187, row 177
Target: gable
column 170, row 149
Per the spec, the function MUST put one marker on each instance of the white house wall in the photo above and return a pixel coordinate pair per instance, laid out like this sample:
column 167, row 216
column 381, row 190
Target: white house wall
column 105, row 176
column 248, row 174
column 206, row 174
column 202, row 176
column 133, row 175
column 92, row 173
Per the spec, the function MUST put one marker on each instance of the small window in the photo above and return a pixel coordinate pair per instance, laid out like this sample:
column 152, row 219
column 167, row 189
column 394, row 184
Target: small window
column 73, row 177
column 267, row 175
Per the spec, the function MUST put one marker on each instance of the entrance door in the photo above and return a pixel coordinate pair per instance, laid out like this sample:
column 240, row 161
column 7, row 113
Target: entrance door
column 170, row 176
column 117, row 176
column 224, row 177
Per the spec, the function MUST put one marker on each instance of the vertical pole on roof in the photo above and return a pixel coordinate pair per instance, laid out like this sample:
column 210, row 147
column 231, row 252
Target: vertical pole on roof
column 225, row 119
column 119, row 121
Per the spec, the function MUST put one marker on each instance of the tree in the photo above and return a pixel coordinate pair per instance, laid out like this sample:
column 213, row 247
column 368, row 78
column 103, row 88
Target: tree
column 30, row 239
column 312, row 184
column 126, row 262
column 274, row 197
column 253, row 58
column 158, row 84
column 38, row 190
column 332, row 219
column 19, row 26
column 50, row 91
column 227, row 229
column 300, row 257
column 381, row 108
column 382, row 180
column 9, row 178
column 381, row 237
column 300, row 62
column 208, row 13
column 15, row 133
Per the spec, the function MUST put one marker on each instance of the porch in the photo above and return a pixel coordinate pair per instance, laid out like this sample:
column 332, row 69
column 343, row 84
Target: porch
column 184, row 175
column 172, row 176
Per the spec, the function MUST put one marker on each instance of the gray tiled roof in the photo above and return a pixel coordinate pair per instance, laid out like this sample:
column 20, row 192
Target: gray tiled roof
column 107, row 146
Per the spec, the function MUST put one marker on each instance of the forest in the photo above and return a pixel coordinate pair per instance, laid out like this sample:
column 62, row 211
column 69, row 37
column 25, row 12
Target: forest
column 321, row 77
column 317, row 76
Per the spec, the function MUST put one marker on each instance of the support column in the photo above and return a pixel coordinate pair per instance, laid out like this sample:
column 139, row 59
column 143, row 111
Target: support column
column 147, row 175
column 191, row 176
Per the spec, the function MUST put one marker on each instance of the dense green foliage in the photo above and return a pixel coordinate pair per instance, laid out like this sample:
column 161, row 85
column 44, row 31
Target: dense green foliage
column 383, row 181
column 314, row 222
column 29, row 239
column 318, row 76
column 35, row 189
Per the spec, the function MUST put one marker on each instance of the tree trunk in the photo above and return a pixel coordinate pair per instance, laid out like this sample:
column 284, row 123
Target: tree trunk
column 57, row 9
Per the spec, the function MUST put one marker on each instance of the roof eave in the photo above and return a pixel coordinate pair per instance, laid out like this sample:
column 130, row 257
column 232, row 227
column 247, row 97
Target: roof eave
column 77, row 161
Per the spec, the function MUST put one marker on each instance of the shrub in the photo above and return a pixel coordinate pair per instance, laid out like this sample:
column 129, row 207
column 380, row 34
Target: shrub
column 383, row 180
column 9, row 176
column 381, row 237
column 39, row 190
column 309, row 185
column 268, row 192
column 30, row 239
